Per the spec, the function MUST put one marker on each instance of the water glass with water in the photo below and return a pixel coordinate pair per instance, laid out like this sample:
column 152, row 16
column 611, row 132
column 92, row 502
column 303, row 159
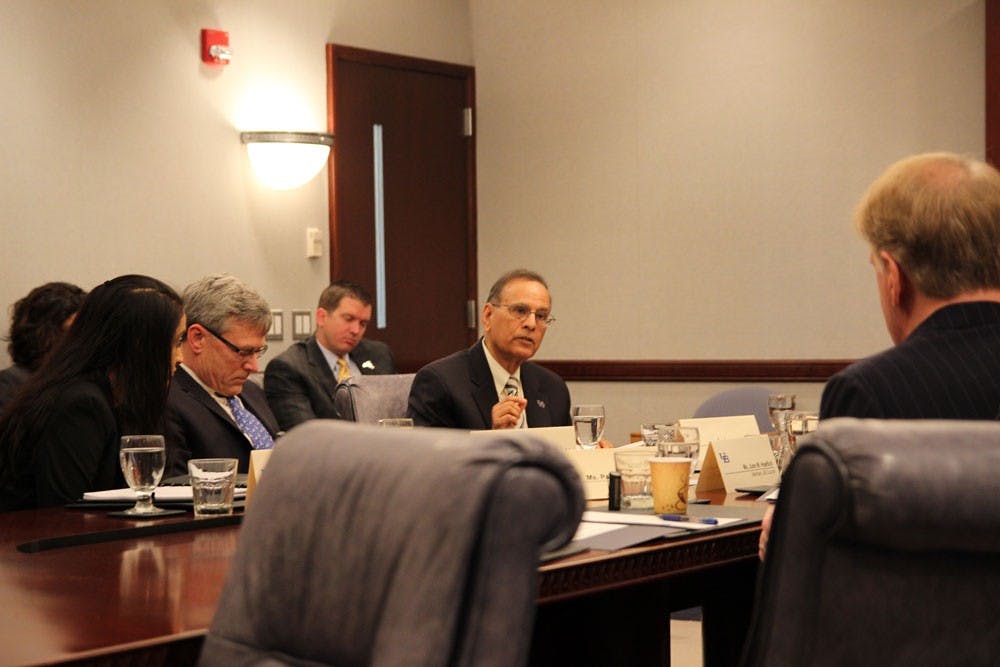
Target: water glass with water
column 588, row 424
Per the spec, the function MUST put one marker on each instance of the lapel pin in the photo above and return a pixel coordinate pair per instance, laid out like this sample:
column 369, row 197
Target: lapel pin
column 368, row 364
column 540, row 403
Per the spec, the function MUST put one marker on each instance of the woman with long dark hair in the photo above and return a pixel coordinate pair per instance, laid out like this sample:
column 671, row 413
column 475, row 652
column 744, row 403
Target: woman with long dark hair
column 108, row 378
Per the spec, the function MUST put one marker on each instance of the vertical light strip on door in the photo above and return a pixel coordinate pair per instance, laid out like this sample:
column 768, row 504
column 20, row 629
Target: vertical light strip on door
column 379, row 229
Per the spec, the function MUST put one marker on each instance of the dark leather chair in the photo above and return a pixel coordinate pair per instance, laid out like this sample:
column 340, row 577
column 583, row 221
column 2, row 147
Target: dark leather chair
column 750, row 400
column 885, row 549
column 368, row 398
column 352, row 554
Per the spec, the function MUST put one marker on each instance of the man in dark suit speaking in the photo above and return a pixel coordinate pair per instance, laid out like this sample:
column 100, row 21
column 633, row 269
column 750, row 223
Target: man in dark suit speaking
column 492, row 384
column 299, row 382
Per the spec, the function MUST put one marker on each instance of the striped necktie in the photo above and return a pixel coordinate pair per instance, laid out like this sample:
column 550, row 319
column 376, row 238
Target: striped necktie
column 250, row 425
column 343, row 371
column 512, row 388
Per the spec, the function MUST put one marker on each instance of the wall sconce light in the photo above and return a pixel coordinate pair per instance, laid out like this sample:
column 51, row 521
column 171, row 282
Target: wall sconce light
column 285, row 160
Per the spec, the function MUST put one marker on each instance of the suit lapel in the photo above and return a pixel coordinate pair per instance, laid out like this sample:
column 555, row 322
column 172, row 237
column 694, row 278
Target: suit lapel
column 319, row 368
column 538, row 412
column 198, row 393
column 484, row 393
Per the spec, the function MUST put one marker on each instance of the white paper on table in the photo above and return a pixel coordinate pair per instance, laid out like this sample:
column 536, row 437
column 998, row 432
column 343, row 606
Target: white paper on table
column 162, row 493
column 653, row 520
column 589, row 529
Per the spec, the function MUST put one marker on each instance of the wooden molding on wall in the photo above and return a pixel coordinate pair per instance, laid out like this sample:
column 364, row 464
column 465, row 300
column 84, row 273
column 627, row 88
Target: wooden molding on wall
column 992, row 83
column 714, row 370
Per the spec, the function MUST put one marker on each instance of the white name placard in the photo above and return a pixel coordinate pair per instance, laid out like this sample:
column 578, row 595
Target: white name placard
column 714, row 429
column 594, row 466
column 738, row 462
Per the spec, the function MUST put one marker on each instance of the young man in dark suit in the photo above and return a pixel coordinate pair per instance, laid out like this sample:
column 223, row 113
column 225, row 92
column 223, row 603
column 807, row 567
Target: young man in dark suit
column 300, row 382
column 492, row 385
column 212, row 411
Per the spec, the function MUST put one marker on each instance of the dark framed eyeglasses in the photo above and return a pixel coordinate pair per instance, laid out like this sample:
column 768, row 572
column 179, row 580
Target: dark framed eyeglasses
column 520, row 312
column 245, row 353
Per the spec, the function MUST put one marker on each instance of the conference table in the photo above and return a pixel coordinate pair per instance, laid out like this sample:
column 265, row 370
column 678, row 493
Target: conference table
column 130, row 593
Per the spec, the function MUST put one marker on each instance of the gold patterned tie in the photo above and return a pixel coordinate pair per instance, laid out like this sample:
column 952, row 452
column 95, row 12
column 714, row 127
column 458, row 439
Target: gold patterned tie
column 343, row 372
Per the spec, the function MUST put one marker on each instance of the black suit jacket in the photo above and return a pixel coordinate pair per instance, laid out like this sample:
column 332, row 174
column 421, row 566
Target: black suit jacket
column 196, row 426
column 75, row 450
column 948, row 368
column 299, row 383
column 458, row 392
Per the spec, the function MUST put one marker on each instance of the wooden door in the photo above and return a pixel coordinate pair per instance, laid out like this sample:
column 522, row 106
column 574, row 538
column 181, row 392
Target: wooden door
column 413, row 117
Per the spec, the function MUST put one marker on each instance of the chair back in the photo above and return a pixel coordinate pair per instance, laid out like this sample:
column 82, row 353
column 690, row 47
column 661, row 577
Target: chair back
column 352, row 555
column 750, row 400
column 368, row 398
column 885, row 548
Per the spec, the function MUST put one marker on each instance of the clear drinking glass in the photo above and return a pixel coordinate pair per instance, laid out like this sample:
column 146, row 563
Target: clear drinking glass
column 650, row 434
column 775, row 404
column 588, row 423
column 679, row 441
column 142, row 458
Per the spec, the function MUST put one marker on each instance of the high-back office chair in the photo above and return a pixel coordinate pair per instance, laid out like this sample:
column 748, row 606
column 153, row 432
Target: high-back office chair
column 750, row 400
column 368, row 398
column 351, row 554
column 885, row 549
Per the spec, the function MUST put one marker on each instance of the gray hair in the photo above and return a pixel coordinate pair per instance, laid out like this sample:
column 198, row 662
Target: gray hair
column 215, row 299
column 510, row 276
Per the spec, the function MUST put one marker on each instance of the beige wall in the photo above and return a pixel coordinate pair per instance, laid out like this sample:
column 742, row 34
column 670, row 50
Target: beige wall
column 682, row 172
column 120, row 150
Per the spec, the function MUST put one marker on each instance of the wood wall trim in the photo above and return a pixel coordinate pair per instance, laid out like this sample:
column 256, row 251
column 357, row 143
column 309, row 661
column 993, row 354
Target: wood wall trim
column 992, row 138
column 713, row 370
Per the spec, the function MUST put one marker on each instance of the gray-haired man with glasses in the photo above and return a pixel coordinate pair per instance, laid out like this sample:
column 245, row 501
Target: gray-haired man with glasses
column 492, row 385
column 212, row 411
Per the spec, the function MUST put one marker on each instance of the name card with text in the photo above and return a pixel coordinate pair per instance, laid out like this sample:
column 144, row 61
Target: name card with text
column 594, row 466
column 738, row 462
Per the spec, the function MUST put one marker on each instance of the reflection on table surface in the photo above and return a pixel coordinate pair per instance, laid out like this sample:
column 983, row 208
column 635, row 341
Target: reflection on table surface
column 159, row 592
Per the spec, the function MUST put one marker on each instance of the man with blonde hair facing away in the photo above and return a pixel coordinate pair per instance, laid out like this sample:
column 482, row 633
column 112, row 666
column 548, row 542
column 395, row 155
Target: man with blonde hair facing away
column 933, row 224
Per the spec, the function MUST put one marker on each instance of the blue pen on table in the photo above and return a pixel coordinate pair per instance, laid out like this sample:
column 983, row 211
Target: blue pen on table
column 692, row 519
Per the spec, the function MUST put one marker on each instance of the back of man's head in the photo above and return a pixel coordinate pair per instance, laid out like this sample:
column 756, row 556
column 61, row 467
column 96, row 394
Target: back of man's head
column 215, row 299
column 338, row 289
column 938, row 215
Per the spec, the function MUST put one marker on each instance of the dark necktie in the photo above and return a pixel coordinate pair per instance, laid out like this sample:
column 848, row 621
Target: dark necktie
column 250, row 425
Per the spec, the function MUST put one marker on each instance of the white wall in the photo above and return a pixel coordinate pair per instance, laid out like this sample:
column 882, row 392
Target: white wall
column 120, row 152
column 682, row 172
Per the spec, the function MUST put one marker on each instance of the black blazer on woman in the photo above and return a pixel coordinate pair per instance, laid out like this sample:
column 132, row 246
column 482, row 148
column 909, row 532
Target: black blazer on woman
column 75, row 450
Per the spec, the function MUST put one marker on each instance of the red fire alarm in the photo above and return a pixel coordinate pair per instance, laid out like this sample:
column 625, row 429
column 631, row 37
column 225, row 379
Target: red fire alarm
column 215, row 47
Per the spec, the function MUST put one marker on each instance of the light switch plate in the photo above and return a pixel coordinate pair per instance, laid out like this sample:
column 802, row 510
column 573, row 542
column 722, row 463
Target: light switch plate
column 277, row 330
column 301, row 324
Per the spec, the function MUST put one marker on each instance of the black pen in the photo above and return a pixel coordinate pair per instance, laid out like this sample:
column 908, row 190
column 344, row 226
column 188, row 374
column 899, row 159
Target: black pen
column 685, row 517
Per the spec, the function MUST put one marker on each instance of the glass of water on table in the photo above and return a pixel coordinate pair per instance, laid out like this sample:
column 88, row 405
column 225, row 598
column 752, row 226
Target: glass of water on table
column 588, row 424
column 142, row 458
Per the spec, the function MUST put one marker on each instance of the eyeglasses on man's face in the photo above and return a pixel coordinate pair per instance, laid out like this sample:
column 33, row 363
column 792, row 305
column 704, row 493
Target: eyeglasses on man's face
column 520, row 312
column 245, row 353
